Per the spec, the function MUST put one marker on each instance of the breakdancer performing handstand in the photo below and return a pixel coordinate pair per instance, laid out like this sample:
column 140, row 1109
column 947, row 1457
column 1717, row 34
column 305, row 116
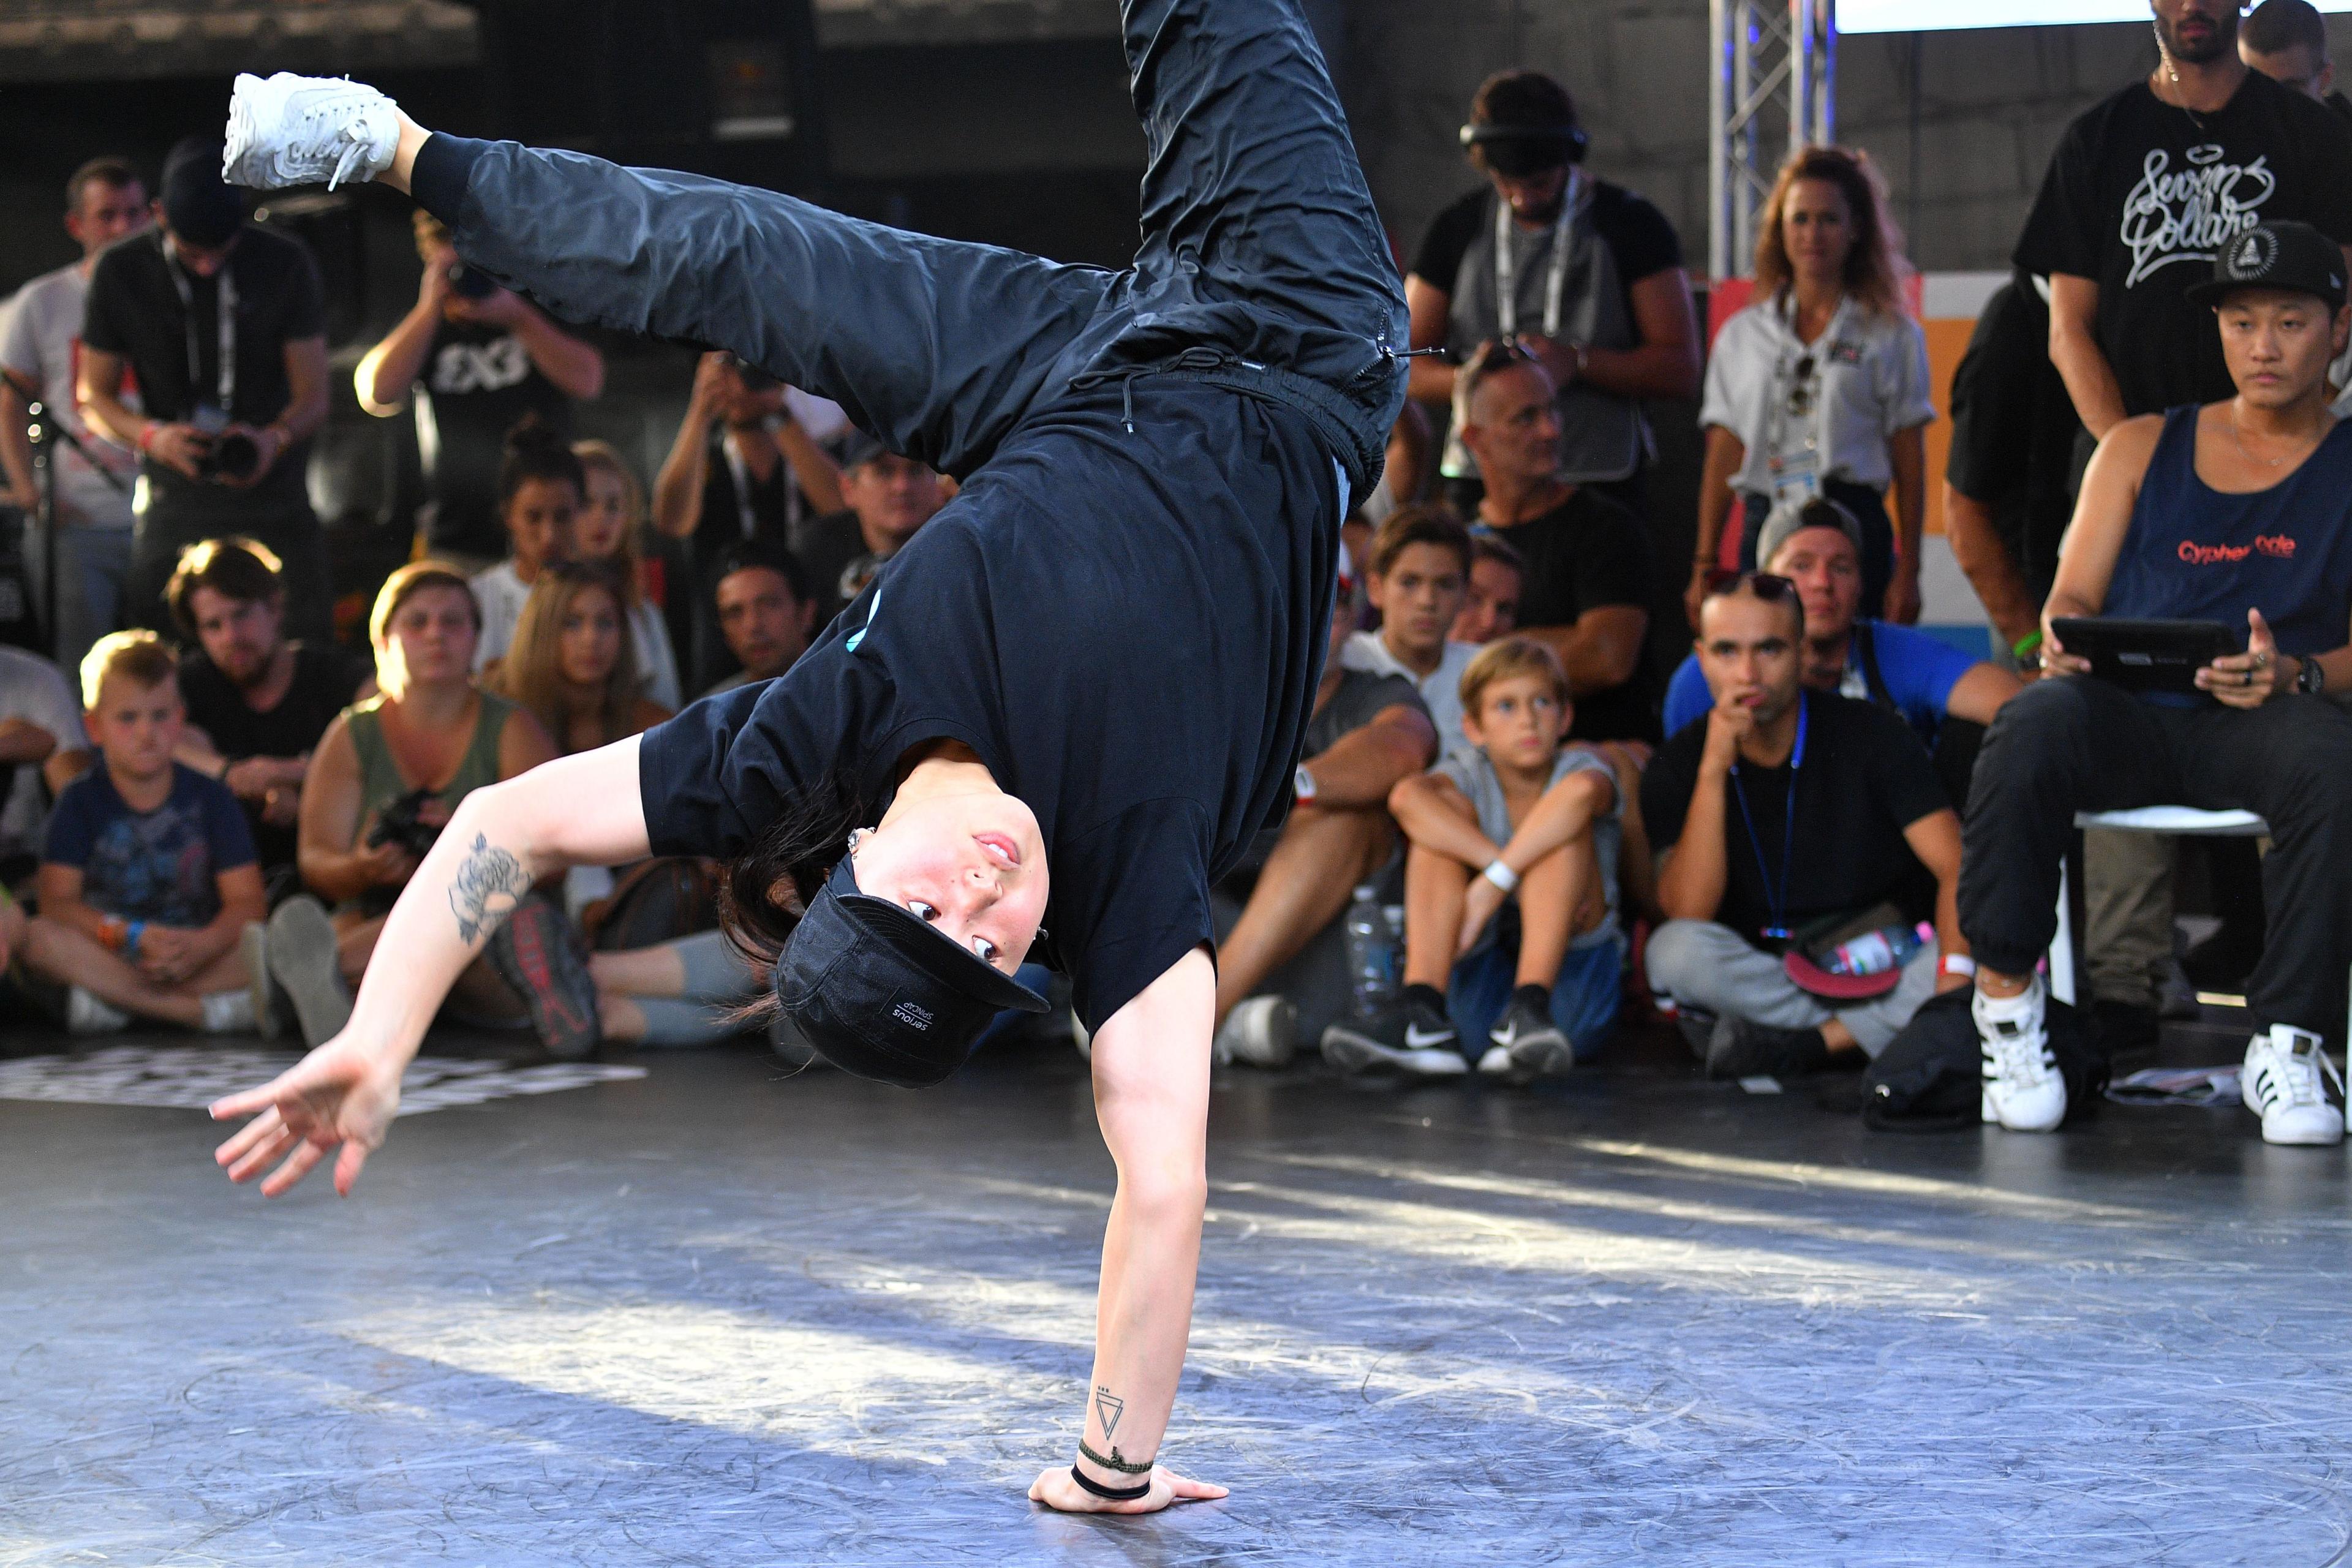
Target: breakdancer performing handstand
column 1097, row 661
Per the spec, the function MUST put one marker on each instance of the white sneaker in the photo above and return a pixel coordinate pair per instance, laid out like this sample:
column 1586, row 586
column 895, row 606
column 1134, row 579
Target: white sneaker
column 303, row 958
column 227, row 1011
column 1262, row 1031
column 86, row 1014
column 2282, row 1085
column 1497, row 1062
column 298, row 130
column 2023, row 1088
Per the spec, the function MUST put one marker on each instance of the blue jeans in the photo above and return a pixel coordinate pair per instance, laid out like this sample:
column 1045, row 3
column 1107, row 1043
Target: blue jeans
column 1261, row 251
column 1585, row 998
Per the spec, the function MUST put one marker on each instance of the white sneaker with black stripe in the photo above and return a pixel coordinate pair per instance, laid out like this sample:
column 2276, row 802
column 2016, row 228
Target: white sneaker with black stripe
column 2284, row 1084
column 2023, row 1088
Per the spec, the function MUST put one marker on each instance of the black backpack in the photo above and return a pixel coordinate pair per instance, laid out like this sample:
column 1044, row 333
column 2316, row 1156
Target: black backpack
column 1930, row 1077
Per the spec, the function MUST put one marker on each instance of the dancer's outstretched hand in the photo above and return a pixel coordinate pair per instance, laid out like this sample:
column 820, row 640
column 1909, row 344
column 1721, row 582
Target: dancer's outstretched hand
column 1058, row 1492
column 341, row 1095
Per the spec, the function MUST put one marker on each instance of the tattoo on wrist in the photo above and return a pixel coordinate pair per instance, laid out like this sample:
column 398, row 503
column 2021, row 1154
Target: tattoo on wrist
column 489, row 884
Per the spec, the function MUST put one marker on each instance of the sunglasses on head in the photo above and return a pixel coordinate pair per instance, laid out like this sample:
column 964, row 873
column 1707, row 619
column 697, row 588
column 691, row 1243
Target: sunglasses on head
column 1770, row 588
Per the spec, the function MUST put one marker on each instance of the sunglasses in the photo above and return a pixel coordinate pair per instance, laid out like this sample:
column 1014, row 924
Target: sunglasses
column 1767, row 587
column 1802, row 388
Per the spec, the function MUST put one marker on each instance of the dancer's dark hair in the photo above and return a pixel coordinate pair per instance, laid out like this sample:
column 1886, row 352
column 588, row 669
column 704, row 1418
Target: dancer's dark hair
column 534, row 451
column 763, row 890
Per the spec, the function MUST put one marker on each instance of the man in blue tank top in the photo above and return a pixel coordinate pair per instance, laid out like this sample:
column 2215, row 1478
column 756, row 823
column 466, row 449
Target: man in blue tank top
column 2238, row 511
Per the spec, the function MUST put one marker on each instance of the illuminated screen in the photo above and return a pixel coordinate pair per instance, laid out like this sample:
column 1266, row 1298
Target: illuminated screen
column 1936, row 16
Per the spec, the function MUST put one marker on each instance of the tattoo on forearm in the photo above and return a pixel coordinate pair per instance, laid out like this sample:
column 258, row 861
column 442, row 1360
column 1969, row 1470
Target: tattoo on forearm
column 489, row 884
column 1109, row 1408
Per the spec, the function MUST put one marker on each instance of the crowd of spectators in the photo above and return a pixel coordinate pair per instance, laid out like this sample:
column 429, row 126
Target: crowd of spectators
column 1820, row 819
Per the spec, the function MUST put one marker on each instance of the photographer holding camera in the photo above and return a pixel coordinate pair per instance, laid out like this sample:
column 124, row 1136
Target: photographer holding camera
column 481, row 359
column 382, row 783
column 221, row 326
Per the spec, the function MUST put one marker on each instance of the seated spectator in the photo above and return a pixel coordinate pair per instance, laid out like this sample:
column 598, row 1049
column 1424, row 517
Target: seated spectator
column 767, row 469
column 1820, row 388
column 224, row 440
column 1586, row 589
column 609, row 527
column 91, row 477
column 256, row 704
column 382, row 787
column 1513, row 956
column 888, row 498
column 1789, row 811
column 1419, row 574
column 765, row 608
column 690, row 992
column 148, row 883
column 42, row 750
column 572, row 667
column 2232, row 511
column 540, row 487
column 1490, row 609
column 1917, row 675
column 2008, row 482
column 1366, row 732
column 479, row 360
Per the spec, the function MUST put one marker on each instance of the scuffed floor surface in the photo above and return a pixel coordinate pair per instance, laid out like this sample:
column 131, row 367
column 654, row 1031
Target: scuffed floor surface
column 712, row 1316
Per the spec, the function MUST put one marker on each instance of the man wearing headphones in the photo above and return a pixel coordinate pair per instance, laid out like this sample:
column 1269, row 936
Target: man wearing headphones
column 1584, row 275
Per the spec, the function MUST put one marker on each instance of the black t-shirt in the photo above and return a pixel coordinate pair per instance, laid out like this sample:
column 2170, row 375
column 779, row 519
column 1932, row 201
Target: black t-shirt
column 1864, row 779
column 1127, row 628
column 134, row 310
column 2014, row 430
column 2139, row 195
column 478, row 383
column 1585, row 553
column 1637, row 234
column 1361, row 698
column 325, row 681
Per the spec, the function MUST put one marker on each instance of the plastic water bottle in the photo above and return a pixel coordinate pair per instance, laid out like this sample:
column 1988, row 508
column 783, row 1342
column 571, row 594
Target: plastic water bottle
column 1371, row 956
column 1876, row 952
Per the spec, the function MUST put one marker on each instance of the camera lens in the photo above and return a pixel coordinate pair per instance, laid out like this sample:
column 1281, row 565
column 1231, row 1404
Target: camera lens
column 235, row 456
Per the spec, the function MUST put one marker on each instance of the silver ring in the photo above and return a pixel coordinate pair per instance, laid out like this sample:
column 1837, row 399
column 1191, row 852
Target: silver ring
column 2261, row 661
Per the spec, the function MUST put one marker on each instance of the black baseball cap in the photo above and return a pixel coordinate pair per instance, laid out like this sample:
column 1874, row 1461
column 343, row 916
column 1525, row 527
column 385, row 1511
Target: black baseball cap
column 2281, row 255
column 880, row 993
column 201, row 207
column 858, row 448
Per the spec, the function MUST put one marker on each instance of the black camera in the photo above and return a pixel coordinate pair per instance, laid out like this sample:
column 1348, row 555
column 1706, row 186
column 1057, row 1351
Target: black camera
column 469, row 282
column 398, row 824
column 754, row 378
column 231, row 456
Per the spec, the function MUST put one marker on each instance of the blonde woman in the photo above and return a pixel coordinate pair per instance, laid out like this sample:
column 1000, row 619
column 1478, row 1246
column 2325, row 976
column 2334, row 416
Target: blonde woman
column 610, row 528
column 1820, row 388
column 571, row 665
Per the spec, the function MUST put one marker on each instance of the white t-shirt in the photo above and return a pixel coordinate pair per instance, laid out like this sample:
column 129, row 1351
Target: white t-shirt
column 31, row 687
column 1868, row 381
column 43, row 341
column 502, row 594
column 1441, row 690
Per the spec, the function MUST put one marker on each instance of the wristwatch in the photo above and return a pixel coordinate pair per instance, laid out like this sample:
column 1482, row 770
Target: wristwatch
column 2310, row 677
column 1302, row 784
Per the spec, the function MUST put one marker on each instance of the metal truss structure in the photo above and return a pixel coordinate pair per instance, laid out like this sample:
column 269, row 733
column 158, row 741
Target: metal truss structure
column 1770, row 89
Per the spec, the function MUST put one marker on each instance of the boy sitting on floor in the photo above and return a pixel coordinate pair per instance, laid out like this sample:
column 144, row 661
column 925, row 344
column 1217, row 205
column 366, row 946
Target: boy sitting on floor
column 1515, row 812
column 148, row 880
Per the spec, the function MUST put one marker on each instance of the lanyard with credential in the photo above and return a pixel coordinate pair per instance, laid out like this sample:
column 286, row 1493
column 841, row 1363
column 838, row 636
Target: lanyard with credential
column 1778, row 891
column 224, row 310
column 1507, row 271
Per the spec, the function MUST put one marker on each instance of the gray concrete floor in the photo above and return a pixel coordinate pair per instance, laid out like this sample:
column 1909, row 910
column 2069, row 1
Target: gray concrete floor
column 716, row 1316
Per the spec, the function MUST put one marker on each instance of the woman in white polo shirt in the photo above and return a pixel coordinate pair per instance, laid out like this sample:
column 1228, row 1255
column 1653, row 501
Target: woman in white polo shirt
column 1820, row 388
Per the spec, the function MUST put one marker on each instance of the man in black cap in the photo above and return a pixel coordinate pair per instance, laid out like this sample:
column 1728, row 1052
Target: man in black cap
column 1073, row 700
column 2238, row 511
column 221, row 325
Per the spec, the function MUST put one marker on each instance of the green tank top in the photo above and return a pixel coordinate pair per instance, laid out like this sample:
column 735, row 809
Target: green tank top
column 380, row 780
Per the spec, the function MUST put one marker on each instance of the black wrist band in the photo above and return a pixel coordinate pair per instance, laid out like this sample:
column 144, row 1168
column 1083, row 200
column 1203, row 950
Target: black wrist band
column 1123, row 1467
column 1110, row 1494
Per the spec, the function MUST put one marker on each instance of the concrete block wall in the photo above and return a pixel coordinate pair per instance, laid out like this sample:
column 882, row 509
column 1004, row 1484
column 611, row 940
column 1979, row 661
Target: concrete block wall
column 1987, row 106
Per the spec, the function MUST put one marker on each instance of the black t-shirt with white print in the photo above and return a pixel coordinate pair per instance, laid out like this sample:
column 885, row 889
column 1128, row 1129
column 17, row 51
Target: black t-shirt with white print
column 2139, row 197
column 478, row 384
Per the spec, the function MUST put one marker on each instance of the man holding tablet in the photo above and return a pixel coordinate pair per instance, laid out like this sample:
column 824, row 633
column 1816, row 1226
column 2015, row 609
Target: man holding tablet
column 2237, row 512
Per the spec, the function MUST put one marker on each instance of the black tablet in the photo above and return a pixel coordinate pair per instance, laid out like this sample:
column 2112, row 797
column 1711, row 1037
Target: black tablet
column 2147, row 655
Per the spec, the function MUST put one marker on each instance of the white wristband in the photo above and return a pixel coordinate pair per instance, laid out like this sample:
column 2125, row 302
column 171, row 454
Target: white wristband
column 1302, row 784
column 1956, row 963
column 1502, row 876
